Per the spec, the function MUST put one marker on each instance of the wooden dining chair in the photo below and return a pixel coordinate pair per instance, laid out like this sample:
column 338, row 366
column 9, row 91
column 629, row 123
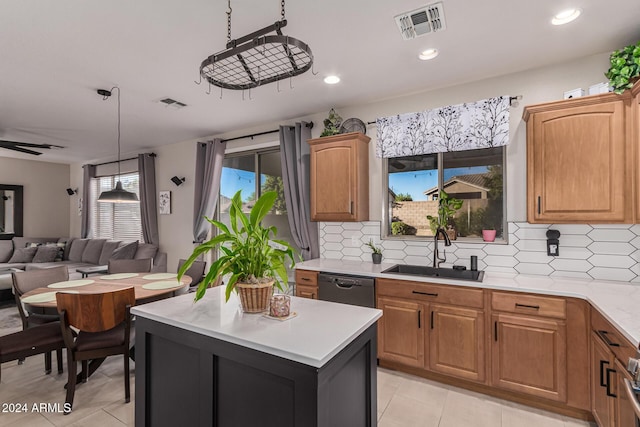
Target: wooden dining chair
column 130, row 265
column 25, row 281
column 196, row 272
column 103, row 322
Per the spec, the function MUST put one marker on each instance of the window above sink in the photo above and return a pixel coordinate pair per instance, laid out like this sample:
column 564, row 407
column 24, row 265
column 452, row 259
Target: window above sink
column 414, row 183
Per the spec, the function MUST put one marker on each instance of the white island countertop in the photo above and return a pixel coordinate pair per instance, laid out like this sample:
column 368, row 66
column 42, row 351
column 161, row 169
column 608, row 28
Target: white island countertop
column 619, row 302
column 319, row 331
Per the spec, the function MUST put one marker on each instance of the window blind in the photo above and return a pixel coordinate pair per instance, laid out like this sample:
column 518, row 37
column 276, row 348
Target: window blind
column 115, row 221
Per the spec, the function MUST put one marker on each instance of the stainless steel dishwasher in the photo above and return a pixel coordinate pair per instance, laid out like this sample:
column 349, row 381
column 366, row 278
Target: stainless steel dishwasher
column 347, row 289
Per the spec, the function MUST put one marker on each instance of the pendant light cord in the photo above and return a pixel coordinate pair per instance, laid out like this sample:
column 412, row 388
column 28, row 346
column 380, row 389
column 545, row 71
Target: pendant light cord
column 112, row 89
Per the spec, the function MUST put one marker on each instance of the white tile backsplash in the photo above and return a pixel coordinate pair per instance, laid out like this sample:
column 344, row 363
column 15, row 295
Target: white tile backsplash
column 611, row 248
column 533, row 268
column 607, row 273
column 602, row 251
column 617, row 261
column 611, row 235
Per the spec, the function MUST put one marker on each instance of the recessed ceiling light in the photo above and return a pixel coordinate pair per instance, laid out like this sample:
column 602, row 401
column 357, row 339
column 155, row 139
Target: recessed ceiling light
column 428, row 54
column 331, row 80
column 566, row 16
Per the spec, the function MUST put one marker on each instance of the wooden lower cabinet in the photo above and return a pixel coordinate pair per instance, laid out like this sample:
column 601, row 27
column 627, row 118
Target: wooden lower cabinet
column 401, row 331
column 529, row 355
column 306, row 291
column 601, row 404
column 307, row 284
column 610, row 404
column 622, row 407
column 456, row 342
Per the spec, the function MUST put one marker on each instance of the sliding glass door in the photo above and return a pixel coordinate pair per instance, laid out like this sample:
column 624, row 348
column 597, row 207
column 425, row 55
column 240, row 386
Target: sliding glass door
column 254, row 173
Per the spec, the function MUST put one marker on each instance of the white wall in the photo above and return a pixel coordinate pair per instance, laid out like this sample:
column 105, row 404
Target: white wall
column 46, row 203
column 535, row 86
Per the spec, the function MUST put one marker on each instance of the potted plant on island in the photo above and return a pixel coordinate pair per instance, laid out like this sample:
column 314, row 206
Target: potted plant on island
column 447, row 208
column 376, row 255
column 249, row 254
column 625, row 67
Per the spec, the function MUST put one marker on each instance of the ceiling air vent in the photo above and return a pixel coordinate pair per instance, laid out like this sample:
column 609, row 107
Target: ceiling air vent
column 421, row 21
column 172, row 103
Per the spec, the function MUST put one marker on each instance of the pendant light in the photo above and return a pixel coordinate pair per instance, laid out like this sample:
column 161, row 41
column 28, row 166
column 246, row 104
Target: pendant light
column 118, row 194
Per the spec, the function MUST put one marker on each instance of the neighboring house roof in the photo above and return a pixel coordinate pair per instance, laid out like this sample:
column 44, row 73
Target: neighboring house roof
column 475, row 180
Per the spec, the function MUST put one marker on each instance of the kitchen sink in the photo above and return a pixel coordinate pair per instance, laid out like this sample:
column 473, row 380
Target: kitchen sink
column 425, row 271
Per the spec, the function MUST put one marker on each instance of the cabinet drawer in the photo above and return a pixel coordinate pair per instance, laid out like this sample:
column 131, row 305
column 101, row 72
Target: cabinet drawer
column 447, row 294
column 307, row 277
column 529, row 304
column 616, row 342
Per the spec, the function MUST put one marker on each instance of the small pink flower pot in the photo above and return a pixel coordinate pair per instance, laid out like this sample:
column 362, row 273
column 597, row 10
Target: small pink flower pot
column 488, row 235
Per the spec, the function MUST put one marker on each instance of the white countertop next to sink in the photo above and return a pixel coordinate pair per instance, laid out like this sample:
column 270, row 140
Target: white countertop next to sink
column 319, row 331
column 619, row 302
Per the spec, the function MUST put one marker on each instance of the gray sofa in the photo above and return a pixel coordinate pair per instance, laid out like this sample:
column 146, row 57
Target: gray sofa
column 29, row 253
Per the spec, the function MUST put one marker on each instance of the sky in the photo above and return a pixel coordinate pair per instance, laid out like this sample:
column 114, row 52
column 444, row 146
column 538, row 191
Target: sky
column 237, row 179
column 416, row 182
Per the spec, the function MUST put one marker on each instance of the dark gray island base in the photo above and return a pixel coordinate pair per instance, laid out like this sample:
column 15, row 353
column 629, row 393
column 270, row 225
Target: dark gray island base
column 186, row 378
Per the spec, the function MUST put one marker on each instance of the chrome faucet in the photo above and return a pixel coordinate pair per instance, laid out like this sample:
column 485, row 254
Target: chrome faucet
column 447, row 242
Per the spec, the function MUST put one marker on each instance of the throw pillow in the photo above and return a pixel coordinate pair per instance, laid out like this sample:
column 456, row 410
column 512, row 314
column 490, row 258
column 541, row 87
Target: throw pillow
column 92, row 251
column 21, row 255
column 6, row 250
column 146, row 250
column 59, row 248
column 67, row 241
column 46, row 253
column 107, row 251
column 126, row 251
column 77, row 249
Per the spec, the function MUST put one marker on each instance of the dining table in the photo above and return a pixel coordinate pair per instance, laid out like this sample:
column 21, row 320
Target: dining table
column 148, row 287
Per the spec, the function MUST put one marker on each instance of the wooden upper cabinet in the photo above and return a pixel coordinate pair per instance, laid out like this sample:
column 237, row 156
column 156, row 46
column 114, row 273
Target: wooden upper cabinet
column 635, row 136
column 577, row 160
column 339, row 177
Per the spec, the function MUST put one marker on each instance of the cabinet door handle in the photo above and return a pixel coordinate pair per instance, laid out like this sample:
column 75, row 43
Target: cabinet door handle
column 603, row 334
column 533, row 307
column 306, row 279
column 425, row 293
column 538, row 205
column 495, row 331
column 602, row 363
column 351, row 208
column 431, row 319
column 419, row 319
column 609, row 383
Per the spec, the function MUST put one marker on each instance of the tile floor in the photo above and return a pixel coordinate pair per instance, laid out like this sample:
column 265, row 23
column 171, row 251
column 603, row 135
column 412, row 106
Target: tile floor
column 403, row 401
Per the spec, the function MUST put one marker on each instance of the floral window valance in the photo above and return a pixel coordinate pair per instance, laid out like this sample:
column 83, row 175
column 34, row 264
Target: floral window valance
column 470, row 126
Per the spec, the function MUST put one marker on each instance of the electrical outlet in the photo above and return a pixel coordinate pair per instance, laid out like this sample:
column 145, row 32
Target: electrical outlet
column 354, row 241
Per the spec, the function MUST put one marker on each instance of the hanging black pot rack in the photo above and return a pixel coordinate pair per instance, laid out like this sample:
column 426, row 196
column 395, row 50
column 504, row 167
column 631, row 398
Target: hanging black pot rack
column 257, row 58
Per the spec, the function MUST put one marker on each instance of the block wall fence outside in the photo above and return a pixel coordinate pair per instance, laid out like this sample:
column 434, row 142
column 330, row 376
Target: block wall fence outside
column 604, row 251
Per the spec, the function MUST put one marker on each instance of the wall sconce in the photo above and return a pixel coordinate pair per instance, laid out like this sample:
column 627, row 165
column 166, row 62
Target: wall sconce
column 178, row 181
column 72, row 191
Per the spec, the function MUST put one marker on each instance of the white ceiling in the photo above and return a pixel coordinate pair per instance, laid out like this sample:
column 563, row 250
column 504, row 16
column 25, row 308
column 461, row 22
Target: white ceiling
column 55, row 54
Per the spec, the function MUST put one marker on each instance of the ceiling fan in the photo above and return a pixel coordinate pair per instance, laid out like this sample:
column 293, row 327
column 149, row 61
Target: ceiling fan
column 23, row 147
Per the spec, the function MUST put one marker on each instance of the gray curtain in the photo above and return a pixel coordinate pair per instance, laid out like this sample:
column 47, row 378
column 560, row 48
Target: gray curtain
column 294, row 154
column 209, row 156
column 148, row 210
column 89, row 171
